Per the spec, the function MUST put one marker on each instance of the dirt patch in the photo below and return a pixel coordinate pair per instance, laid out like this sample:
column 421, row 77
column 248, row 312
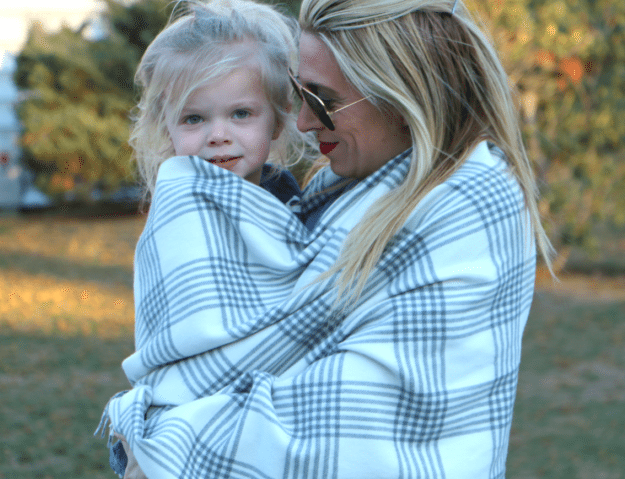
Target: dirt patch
column 587, row 288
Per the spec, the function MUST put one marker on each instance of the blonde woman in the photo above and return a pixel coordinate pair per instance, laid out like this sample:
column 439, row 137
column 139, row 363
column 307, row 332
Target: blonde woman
column 394, row 352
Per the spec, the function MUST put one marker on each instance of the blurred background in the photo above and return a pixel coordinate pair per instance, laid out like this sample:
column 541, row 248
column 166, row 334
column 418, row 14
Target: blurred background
column 69, row 222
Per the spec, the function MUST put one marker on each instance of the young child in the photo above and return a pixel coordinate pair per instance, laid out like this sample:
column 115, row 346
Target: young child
column 215, row 91
column 214, row 85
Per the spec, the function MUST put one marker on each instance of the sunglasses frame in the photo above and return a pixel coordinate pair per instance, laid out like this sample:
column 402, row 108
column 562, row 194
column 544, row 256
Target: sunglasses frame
column 316, row 104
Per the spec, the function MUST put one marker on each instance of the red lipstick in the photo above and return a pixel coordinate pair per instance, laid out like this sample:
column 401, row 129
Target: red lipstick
column 326, row 148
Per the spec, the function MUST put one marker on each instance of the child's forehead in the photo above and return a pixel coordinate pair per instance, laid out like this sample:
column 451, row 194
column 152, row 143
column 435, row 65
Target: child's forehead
column 241, row 76
column 219, row 62
column 220, row 73
column 191, row 72
column 186, row 87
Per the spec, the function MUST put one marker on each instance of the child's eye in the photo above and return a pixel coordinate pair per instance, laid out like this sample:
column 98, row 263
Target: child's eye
column 192, row 119
column 240, row 114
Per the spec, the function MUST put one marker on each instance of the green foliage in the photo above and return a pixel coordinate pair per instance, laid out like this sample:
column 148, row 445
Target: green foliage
column 79, row 94
column 567, row 58
column 135, row 25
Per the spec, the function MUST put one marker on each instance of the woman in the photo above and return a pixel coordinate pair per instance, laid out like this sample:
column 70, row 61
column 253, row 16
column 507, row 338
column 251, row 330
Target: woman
column 396, row 351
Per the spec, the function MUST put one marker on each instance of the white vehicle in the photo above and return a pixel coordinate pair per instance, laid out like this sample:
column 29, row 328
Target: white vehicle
column 10, row 170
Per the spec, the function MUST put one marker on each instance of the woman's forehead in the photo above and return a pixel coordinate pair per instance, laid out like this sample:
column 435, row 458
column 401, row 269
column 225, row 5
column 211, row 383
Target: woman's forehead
column 318, row 66
column 319, row 70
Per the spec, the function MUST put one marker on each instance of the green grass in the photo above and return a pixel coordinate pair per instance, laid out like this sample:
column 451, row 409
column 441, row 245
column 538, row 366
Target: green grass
column 54, row 381
column 64, row 331
column 53, row 392
column 569, row 415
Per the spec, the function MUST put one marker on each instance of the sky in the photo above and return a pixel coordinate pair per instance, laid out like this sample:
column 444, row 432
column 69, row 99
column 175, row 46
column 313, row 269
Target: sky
column 16, row 17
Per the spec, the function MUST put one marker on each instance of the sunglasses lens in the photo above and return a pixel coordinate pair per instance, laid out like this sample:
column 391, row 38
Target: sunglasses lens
column 319, row 109
column 314, row 103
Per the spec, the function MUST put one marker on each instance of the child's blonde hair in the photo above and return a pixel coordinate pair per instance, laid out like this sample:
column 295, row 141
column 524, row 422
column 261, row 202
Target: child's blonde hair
column 202, row 43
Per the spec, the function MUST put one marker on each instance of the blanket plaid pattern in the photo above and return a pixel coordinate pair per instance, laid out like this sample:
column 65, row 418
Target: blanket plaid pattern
column 244, row 369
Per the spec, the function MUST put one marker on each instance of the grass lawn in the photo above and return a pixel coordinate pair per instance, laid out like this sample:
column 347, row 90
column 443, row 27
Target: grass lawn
column 570, row 415
column 66, row 323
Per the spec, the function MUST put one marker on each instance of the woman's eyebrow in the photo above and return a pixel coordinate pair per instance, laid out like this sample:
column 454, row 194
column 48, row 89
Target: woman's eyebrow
column 316, row 88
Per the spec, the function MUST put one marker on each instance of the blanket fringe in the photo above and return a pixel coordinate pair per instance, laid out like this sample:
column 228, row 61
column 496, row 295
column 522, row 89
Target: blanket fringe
column 105, row 421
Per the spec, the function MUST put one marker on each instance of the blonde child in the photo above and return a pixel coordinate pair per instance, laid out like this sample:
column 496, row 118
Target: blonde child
column 215, row 85
column 215, row 93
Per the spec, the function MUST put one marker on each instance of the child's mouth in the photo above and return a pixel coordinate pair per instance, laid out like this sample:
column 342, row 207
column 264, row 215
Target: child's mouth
column 222, row 160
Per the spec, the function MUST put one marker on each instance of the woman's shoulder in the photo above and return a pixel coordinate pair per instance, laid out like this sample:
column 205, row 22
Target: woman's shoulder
column 485, row 173
column 483, row 191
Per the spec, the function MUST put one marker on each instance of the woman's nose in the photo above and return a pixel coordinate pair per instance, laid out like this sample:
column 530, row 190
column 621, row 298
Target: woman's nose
column 307, row 120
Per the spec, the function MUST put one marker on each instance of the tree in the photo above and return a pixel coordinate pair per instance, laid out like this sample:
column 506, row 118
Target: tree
column 567, row 60
column 78, row 96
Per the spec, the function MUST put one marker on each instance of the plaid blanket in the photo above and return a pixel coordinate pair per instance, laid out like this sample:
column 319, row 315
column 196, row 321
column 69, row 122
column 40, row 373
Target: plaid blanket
column 245, row 369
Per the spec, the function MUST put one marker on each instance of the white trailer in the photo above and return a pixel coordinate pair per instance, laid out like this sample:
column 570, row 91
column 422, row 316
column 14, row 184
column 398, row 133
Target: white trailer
column 11, row 173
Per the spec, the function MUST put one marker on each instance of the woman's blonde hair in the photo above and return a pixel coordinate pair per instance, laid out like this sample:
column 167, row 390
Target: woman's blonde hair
column 203, row 42
column 441, row 72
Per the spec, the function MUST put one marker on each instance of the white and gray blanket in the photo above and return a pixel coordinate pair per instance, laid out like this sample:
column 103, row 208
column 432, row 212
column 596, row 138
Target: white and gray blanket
column 244, row 368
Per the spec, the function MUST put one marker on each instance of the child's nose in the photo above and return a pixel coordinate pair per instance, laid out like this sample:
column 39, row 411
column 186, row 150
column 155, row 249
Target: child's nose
column 219, row 133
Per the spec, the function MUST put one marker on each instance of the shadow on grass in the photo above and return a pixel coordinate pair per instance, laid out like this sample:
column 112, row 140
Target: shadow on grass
column 100, row 210
column 66, row 269
column 54, row 391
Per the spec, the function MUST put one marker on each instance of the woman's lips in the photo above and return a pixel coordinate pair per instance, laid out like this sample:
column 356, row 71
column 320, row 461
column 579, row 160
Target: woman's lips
column 326, row 148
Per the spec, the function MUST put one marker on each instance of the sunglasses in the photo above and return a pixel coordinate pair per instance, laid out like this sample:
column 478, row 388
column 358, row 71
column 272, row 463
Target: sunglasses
column 316, row 104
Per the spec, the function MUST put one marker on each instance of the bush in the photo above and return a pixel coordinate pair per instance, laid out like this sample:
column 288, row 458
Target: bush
column 567, row 59
column 78, row 94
